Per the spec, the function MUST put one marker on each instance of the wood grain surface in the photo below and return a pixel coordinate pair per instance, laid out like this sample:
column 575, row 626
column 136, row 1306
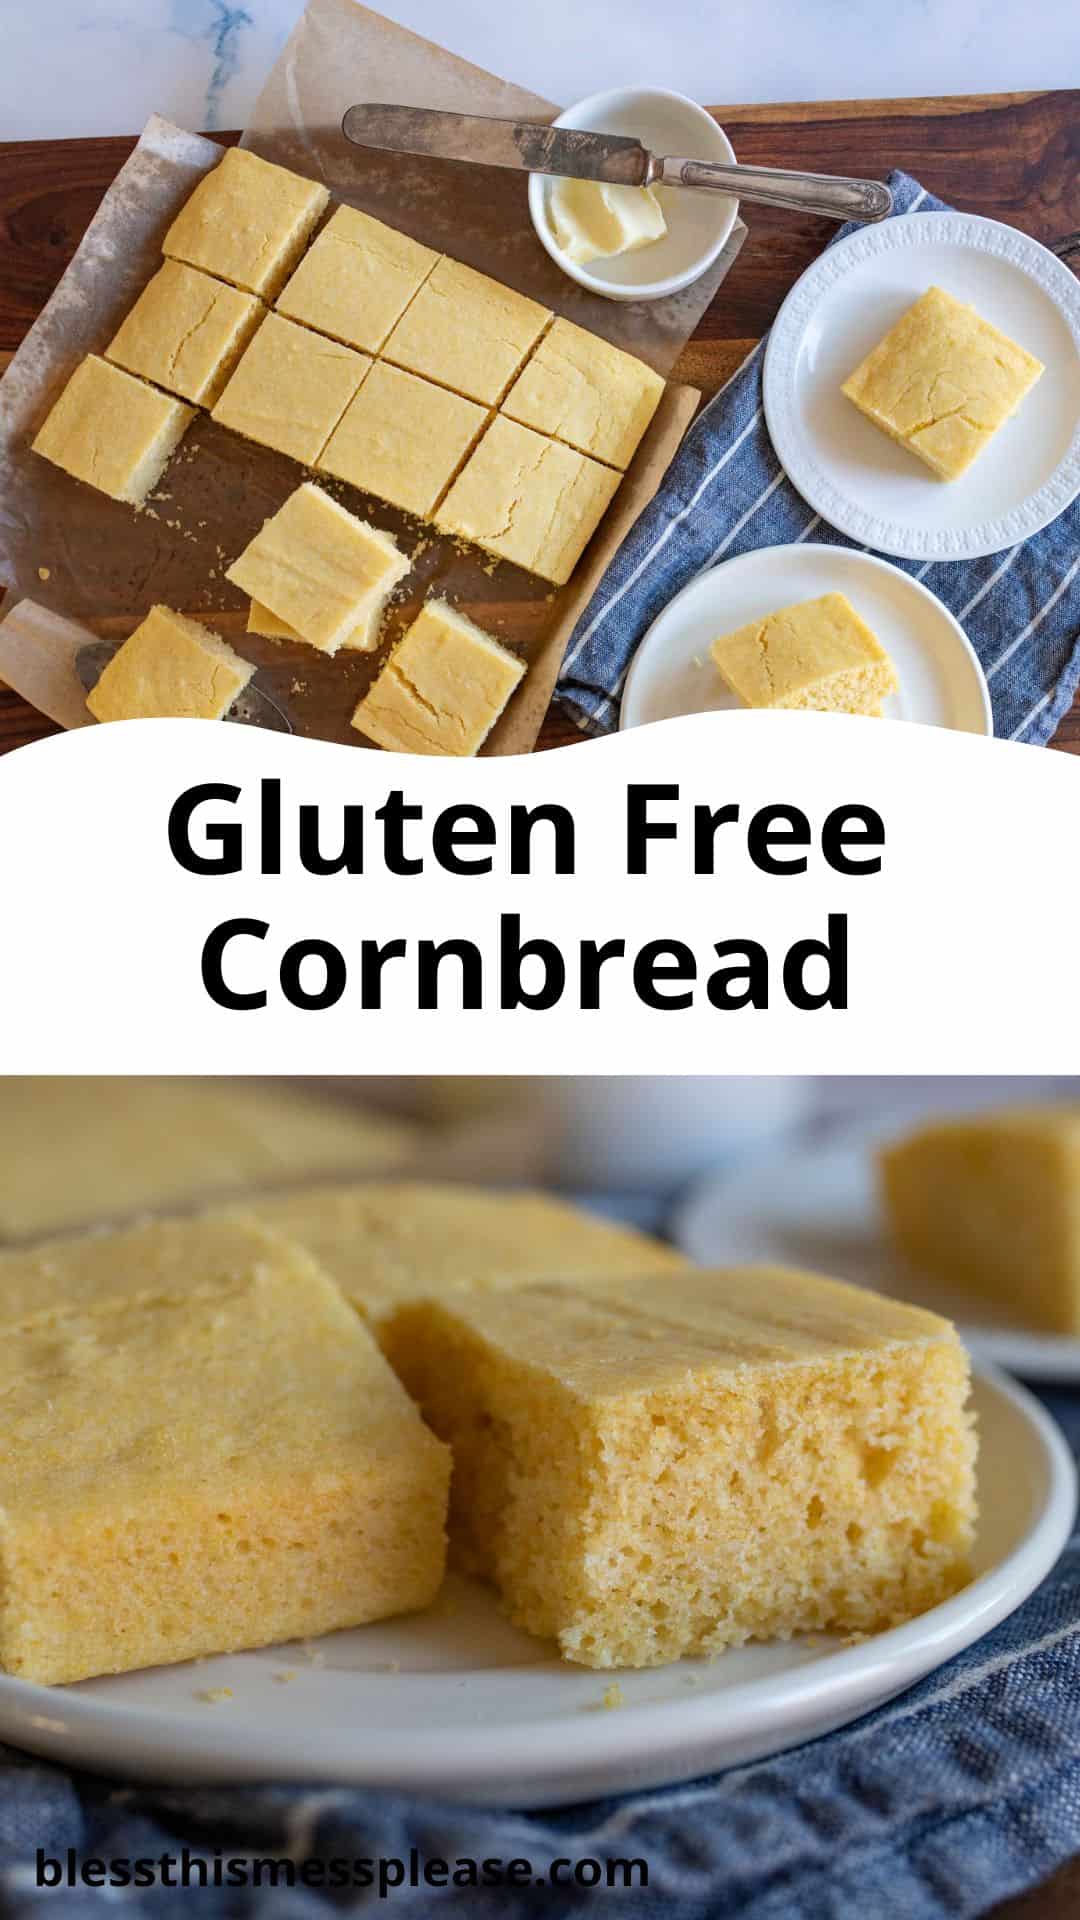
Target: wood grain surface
column 1013, row 157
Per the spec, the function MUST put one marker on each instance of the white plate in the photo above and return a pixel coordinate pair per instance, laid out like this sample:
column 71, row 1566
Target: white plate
column 456, row 1703
column 817, row 1206
column 852, row 473
column 941, row 681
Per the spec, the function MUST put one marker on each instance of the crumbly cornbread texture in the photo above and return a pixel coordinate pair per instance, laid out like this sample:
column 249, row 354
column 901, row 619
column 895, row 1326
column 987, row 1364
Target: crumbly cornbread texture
column 467, row 332
column 169, row 667
column 528, row 499
column 817, row 654
column 942, row 381
column 324, row 572
column 442, row 689
column 291, row 388
column 356, row 280
column 77, row 1150
column 188, row 1476
column 389, row 1242
column 583, row 390
column 247, row 221
column 402, row 439
column 991, row 1204
column 113, row 431
column 186, row 332
column 659, row 1466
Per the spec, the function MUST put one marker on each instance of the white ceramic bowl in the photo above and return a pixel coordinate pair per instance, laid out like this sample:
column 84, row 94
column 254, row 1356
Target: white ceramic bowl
column 669, row 125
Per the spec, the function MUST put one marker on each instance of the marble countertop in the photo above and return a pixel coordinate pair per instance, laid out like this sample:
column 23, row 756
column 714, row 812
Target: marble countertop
column 101, row 66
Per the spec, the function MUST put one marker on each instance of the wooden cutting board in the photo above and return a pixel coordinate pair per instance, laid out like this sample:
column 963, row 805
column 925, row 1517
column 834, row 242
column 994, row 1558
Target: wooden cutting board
column 1012, row 157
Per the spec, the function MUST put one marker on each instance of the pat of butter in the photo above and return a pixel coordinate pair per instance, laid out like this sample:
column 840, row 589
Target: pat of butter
column 595, row 222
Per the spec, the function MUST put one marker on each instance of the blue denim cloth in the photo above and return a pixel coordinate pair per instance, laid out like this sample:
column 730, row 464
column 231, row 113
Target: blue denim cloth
column 725, row 494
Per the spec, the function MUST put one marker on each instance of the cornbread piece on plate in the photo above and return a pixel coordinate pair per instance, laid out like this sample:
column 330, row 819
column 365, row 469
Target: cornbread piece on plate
column 247, row 221
column 169, row 667
column 188, row 1475
column 356, row 280
column 990, row 1204
column 402, row 439
column 325, row 573
column 817, row 654
column 467, row 332
column 580, row 389
column 113, row 431
column 388, row 1242
column 652, row 1467
column 442, row 689
column 942, row 381
column 291, row 388
column 186, row 332
column 77, row 1150
column 528, row 499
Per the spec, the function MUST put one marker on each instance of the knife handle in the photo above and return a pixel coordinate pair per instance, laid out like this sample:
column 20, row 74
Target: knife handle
column 830, row 194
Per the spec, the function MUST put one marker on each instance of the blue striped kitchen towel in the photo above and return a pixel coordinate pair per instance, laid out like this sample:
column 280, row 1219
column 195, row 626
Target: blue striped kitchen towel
column 725, row 493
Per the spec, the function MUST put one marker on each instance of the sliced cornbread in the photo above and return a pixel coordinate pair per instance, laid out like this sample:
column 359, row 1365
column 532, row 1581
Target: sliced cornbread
column 186, row 332
column 667, row 1465
column 113, row 431
column 466, row 331
column 387, row 1242
column 402, row 439
column 442, row 689
column 991, row 1204
column 817, row 654
column 322, row 571
column 247, row 221
column 291, row 388
column 170, row 667
column 192, row 1475
column 579, row 388
column 79, row 1150
column 527, row 499
column 356, row 279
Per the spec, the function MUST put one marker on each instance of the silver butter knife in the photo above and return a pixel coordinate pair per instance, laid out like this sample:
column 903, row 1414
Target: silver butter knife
column 251, row 708
column 612, row 159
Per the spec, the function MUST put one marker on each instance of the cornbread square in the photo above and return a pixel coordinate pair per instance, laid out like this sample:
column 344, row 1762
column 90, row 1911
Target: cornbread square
column 76, row 1150
column 529, row 500
column 942, row 381
column 817, row 654
column 186, row 332
column 192, row 1475
column 403, row 439
column 442, row 689
column 658, row 1466
column 325, row 573
column 990, row 1204
column 389, row 1242
column 113, row 431
column 248, row 222
column 581, row 389
column 467, row 332
column 170, row 667
column 356, row 280
column 291, row 388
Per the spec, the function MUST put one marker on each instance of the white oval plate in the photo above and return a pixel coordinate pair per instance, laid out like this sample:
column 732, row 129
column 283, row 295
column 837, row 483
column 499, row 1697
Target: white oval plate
column 456, row 1703
column 852, row 473
column 817, row 1206
column 941, row 681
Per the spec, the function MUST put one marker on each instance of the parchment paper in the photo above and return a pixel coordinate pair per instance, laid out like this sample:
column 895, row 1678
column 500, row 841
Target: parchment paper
column 81, row 566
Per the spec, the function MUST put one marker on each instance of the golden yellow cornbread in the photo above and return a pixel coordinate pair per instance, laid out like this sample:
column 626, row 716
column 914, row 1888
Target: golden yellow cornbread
column 990, row 1204
column 442, row 689
column 190, row 1475
column 466, row 332
column 654, row 1466
column 817, row 654
column 528, row 499
column 402, row 439
column 113, row 431
column 78, row 1150
column 248, row 222
column 170, row 667
column 291, row 388
column 260, row 620
column 942, row 381
column 186, row 332
column 325, row 573
column 356, row 279
column 389, row 1242
column 579, row 388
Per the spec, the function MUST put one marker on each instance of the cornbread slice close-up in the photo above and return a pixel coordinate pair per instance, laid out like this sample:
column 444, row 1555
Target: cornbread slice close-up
column 442, row 688
column 113, row 431
column 817, row 655
column 317, row 567
column 248, row 221
column 170, row 668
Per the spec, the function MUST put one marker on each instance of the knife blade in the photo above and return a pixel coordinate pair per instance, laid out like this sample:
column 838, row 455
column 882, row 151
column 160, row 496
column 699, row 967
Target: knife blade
column 613, row 159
